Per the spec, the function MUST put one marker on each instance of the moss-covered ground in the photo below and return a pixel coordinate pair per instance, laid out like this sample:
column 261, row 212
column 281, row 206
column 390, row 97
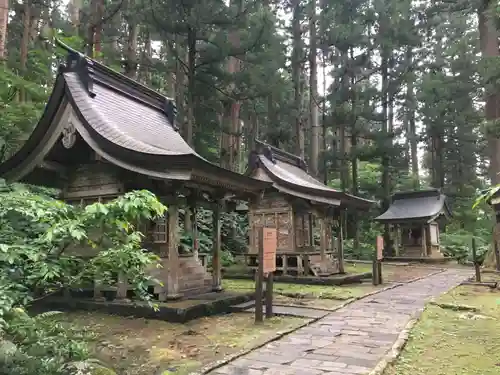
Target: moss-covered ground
column 454, row 341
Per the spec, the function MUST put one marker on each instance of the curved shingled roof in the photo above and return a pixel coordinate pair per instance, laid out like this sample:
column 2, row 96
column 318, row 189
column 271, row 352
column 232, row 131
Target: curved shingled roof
column 289, row 175
column 124, row 122
column 420, row 205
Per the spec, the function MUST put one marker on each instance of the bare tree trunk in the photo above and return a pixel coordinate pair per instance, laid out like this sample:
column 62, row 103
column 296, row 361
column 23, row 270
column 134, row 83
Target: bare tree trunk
column 386, row 137
column 231, row 132
column 254, row 131
column 131, row 49
column 26, row 19
column 182, row 59
column 313, row 92
column 94, row 32
column 191, row 66
column 343, row 160
column 488, row 34
column 296, row 78
column 146, row 57
column 4, row 18
column 74, row 9
column 354, row 151
column 410, row 119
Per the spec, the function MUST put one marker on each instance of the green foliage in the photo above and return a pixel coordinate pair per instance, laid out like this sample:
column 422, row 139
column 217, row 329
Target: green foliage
column 38, row 238
column 458, row 245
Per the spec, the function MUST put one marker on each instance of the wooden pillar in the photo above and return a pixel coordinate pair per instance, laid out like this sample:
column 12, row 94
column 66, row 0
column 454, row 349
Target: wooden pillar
column 216, row 242
column 173, row 253
column 194, row 231
column 97, row 290
column 292, row 230
column 122, row 287
column 424, row 240
column 397, row 239
column 323, row 242
column 428, row 242
column 310, row 217
column 340, row 246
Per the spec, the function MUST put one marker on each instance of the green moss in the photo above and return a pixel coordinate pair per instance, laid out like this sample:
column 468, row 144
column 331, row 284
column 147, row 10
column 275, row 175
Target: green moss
column 312, row 291
column 448, row 342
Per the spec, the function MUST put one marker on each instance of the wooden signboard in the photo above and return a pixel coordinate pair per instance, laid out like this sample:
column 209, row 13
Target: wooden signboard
column 270, row 243
column 380, row 247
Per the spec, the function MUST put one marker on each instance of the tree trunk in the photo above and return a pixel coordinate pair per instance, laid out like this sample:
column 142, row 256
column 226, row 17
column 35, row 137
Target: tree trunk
column 354, row 151
column 343, row 160
column 410, row 119
column 4, row 18
column 313, row 92
column 94, row 30
column 488, row 34
column 231, row 124
column 146, row 59
column 191, row 84
column 131, row 49
column 25, row 44
column 74, row 14
column 386, row 140
column 180, row 90
column 296, row 78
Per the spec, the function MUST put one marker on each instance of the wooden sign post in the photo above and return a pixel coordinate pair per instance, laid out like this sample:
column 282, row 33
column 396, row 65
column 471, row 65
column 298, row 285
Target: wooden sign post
column 268, row 243
column 377, row 262
column 475, row 261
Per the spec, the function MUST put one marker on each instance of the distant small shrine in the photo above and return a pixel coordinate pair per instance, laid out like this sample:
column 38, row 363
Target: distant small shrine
column 415, row 217
column 307, row 214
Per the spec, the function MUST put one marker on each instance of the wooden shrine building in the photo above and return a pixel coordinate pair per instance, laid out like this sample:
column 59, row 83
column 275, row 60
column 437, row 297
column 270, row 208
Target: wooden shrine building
column 415, row 217
column 304, row 211
column 103, row 134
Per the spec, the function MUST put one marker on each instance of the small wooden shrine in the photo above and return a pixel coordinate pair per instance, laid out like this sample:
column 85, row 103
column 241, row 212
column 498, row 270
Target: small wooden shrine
column 103, row 134
column 305, row 212
column 414, row 218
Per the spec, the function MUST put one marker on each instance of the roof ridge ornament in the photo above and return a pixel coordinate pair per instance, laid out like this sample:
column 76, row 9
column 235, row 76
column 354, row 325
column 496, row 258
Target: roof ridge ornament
column 69, row 133
column 171, row 112
column 80, row 64
column 268, row 153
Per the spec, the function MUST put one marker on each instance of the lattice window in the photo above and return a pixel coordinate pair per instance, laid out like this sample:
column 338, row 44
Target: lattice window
column 159, row 232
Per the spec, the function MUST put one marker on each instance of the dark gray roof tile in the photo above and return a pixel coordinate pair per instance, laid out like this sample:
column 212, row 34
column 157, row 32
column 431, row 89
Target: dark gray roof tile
column 417, row 205
column 125, row 121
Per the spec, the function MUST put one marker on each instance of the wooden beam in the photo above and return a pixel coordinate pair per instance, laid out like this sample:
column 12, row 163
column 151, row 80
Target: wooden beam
column 54, row 167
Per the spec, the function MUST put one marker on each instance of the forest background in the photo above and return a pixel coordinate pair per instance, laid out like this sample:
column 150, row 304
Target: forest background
column 377, row 95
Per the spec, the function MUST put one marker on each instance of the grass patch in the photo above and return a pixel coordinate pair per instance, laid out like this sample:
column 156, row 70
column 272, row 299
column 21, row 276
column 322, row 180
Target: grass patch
column 450, row 342
column 341, row 293
column 133, row 346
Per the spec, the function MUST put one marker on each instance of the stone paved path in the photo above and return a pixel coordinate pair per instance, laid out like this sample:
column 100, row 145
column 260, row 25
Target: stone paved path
column 349, row 341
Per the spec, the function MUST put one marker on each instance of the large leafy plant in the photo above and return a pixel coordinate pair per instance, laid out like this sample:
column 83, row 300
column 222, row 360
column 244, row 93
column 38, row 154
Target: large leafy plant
column 38, row 235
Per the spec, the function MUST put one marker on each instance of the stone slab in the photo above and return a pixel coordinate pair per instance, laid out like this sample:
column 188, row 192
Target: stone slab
column 349, row 341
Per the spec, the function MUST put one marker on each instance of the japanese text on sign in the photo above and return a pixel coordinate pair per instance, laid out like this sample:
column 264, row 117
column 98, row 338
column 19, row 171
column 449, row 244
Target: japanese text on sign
column 270, row 243
column 380, row 247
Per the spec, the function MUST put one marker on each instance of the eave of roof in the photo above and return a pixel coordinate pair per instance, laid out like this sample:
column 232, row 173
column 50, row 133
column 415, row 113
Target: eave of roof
column 416, row 206
column 289, row 175
column 131, row 129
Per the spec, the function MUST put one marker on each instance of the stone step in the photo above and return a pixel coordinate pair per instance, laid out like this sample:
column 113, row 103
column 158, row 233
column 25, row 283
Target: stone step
column 195, row 291
column 301, row 312
column 243, row 306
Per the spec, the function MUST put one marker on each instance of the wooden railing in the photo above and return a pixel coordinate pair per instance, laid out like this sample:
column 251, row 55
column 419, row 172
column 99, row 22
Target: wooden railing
column 291, row 263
